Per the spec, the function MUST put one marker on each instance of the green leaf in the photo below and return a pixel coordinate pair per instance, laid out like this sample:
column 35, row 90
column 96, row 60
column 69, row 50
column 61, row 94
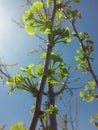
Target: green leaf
column 39, row 69
column 92, row 119
column 30, row 70
column 48, row 3
column 67, row 31
column 77, row 58
column 59, row 13
column 23, row 69
column 67, row 37
column 82, row 94
column 76, row 13
column 30, row 66
column 18, row 126
column 43, row 56
column 89, row 99
column 55, row 57
column 29, row 27
column 86, row 88
column 32, row 109
column 45, row 30
column 80, row 34
column 10, row 93
column 78, row 51
column 26, row 15
column 91, row 83
column 8, row 82
column 36, row 7
column 67, row 40
column 52, row 80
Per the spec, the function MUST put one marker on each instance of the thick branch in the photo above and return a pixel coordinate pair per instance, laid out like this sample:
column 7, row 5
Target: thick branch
column 42, row 85
column 43, row 81
column 51, row 98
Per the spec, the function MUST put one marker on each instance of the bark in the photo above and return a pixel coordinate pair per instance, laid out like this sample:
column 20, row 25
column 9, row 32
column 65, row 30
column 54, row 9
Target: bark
column 45, row 74
column 42, row 85
column 52, row 118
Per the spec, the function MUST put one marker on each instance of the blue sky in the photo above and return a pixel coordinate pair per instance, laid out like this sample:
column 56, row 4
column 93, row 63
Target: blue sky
column 15, row 43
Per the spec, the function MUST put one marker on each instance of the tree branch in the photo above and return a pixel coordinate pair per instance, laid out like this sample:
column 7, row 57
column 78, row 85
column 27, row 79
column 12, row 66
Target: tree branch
column 61, row 90
column 88, row 61
column 90, row 69
column 44, row 77
column 42, row 85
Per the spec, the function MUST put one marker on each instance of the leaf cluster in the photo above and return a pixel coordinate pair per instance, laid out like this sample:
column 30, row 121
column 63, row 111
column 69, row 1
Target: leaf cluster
column 84, row 52
column 18, row 126
column 57, row 71
column 89, row 93
column 52, row 109
column 26, row 81
column 35, row 20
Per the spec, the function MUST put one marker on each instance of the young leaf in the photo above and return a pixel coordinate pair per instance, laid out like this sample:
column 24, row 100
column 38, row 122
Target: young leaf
column 26, row 15
column 67, row 40
column 91, row 83
column 86, row 88
column 48, row 3
column 36, row 7
column 18, row 126
column 89, row 99
column 43, row 56
column 92, row 118
column 45, row 30
column 39, row 69
column 67, row 37
column 52, row 80
column 30, row 70
column 82, row 94
column 29, row 27
column 55, row 57
column 32, row 109
column 59, row 13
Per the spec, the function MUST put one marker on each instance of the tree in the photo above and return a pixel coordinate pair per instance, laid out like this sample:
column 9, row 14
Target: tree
column 49, row 18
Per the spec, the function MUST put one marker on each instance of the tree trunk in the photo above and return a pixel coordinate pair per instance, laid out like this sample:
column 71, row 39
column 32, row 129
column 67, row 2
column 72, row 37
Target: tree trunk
column 40, row 94
column 52, row 117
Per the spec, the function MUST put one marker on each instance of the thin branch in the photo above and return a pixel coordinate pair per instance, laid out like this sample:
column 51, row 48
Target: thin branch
column 42, row 123
column 88, row 61
column 29, row 2
column 44, row 8
column 3, row 72
column 61, row 90
column 45, row 41
column 90, row 69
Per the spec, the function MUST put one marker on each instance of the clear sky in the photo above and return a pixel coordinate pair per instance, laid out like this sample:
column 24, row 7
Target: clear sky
column 15, row 43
